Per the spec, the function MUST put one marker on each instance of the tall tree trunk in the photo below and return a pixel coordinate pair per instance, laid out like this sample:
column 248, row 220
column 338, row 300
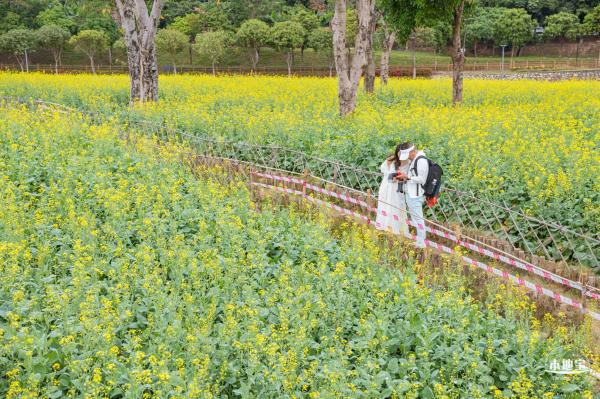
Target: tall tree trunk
column 190, row 53
column 414, row 62
column 110, row 56
column 213, row 69
column 475, row 48
column 139, row 28
column 254, row 56
column 289, row 59
column 370, row 70
column 349, row 72
column 458, row 56
column 149, row 75
column 388, row 43
column 127, row 21
column 512, row 56
column 20, row 62
column 92, row 64
column 55, row 54
column 148, row 33
column 174, row 67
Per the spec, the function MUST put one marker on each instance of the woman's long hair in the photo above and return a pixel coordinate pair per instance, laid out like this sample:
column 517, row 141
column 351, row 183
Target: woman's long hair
column 394, row 157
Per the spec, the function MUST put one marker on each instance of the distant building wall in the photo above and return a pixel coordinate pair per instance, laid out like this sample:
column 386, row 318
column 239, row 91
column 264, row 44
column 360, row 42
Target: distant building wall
column 589, row 47
column 546, row 75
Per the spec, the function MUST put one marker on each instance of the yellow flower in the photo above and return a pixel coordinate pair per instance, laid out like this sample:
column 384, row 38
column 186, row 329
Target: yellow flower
column 97, row 375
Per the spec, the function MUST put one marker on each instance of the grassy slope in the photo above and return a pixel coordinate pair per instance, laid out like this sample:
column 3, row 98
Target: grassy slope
column 491, row 145
column 272, row 58
column 122, row 273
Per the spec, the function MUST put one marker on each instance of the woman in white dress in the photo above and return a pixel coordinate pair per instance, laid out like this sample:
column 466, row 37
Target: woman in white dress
column 390, row 201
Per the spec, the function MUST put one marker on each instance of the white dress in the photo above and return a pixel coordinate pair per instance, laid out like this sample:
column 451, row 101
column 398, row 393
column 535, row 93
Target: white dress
column 391, row 202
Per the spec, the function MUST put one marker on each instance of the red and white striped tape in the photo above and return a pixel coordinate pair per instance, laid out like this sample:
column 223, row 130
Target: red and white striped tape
column 474, row 247
column 338, row 208
column 315, row 188
column 514, row 262
column 518, row 280
column 505, row 259
column 490, row 269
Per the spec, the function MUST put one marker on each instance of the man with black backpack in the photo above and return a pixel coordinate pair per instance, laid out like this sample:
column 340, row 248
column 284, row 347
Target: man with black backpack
column 422, row 182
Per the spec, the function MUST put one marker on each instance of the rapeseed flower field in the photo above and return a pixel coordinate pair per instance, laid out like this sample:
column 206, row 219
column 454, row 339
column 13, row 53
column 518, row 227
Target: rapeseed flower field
column 124, row 276
column 532, row 145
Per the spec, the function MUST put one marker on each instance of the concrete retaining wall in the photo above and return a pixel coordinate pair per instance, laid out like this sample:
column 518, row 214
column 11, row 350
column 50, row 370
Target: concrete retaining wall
column 538, row 75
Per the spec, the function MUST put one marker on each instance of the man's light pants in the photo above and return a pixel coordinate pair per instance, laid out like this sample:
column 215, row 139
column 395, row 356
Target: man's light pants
column 415, row 209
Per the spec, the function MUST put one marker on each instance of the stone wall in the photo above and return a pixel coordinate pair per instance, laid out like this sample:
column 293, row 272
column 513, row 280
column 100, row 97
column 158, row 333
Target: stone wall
column 589, row 47
column 539, row 75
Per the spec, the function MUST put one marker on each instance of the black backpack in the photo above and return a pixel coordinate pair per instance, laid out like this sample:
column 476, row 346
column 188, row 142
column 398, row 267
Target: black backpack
column 433, row 184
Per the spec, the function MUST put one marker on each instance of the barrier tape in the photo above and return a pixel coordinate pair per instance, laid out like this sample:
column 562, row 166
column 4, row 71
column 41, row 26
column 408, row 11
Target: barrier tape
column 315, row 188
column 488, row 268
column 517, row 280
column 481, row 265
column 516, row 263
column 338, row 208
column 550, row 276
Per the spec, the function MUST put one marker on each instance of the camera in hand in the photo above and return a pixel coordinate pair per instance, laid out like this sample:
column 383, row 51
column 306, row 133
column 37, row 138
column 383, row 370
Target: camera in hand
column 400, row 188
column 394, row 177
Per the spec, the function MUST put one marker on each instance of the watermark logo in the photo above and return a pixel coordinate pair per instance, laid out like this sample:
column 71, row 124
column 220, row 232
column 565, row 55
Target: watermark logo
column 567, row 366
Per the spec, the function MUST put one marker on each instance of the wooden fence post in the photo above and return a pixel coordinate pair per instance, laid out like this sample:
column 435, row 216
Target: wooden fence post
column 305, row 178
column 584, row 295
column 370, row 199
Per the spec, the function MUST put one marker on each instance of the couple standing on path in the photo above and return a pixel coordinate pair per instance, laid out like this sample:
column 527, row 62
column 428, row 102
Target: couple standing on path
column 404, row 174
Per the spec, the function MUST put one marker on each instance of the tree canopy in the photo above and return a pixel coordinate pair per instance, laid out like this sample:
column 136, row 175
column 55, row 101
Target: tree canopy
column 90, row 42
column 563, row 24
column 286, row 36
column 485, row 22
column 514, row 27
column 592, row 20
column 54, row 38
column 214, row 46
column 172, row 42
column 56, row 16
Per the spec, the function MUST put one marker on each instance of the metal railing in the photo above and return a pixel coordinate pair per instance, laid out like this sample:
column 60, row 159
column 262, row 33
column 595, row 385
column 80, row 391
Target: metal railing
column 512, row 230
column 533, row 239
column 422, row 69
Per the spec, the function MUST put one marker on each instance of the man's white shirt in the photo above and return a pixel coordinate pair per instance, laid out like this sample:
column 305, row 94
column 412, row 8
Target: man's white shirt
column 413, row 185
